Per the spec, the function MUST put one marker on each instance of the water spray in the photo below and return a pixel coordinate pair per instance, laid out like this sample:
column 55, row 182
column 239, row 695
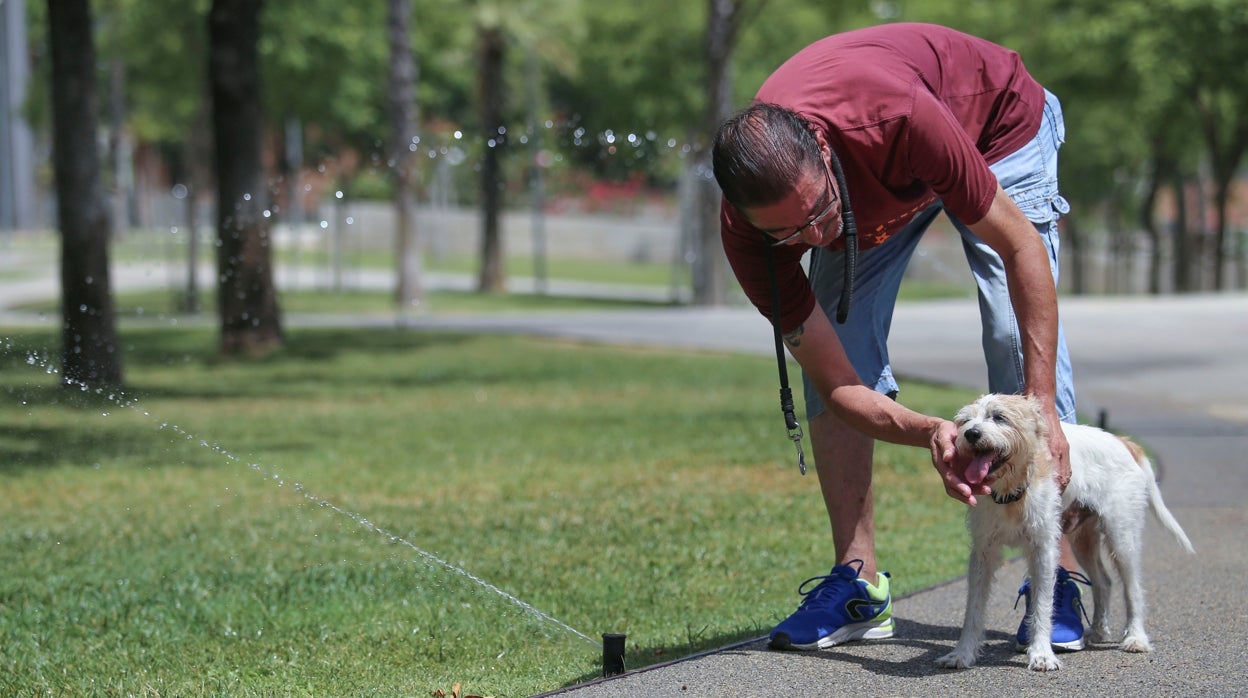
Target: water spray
column 122, row 400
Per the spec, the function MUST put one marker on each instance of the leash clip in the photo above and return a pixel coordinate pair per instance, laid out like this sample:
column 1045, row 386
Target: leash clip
column 795, row 435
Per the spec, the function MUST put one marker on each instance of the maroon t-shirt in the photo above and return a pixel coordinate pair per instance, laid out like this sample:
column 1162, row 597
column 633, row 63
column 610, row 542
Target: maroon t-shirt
column 915, row 112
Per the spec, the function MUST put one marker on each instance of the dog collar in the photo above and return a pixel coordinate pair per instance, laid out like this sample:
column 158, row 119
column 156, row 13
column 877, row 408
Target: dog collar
column 1009, row 498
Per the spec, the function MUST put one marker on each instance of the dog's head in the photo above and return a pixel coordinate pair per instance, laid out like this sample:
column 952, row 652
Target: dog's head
column 1001, row 434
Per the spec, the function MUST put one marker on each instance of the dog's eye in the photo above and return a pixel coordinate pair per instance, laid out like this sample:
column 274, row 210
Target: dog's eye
column 998, row 417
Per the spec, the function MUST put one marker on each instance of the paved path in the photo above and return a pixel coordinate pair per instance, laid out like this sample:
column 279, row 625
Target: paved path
column 1172, row 371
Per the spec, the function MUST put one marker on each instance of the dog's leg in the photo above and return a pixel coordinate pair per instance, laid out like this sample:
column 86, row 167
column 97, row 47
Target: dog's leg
column 981, row 569
column 1086, row 542
column 1042, row 563
column 1125, row 538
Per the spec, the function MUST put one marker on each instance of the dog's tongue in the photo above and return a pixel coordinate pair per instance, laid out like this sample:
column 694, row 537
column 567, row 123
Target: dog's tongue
column 978, row 469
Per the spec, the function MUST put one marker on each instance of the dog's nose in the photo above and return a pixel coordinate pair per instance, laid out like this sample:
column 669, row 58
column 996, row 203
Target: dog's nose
column 972, row 435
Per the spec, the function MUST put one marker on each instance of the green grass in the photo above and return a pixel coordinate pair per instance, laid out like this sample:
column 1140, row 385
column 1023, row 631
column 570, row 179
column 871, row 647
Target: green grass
column 179, row 539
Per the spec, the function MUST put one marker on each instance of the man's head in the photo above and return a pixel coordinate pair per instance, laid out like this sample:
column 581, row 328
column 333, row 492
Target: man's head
column 773, row 166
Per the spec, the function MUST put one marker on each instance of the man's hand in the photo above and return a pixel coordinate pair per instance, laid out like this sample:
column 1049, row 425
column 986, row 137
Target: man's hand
column 1059, row 449
column 952, row 467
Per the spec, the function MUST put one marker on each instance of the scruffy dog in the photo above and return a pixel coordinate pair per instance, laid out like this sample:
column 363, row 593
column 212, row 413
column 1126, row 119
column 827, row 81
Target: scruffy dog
column 1111, row 484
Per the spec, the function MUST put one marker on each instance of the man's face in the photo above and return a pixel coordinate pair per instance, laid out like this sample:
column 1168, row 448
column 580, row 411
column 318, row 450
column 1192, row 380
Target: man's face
column 810, row 214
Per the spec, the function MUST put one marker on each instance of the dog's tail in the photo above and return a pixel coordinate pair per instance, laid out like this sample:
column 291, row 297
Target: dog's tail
column 1164, row 517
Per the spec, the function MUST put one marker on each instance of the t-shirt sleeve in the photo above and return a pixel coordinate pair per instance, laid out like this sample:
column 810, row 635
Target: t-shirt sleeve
column 943, row 156
column 747, row 255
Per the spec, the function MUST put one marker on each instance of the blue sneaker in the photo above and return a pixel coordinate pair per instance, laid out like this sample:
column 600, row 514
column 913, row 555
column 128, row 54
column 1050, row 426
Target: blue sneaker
column 840, row 608
column 1067, row 609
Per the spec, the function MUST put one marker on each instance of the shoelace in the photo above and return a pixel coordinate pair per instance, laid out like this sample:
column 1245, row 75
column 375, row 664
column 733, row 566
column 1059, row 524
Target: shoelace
column 1059, row 593
column 821, row 596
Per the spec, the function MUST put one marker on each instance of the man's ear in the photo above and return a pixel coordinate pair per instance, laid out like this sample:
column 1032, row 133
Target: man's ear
column 823, row 142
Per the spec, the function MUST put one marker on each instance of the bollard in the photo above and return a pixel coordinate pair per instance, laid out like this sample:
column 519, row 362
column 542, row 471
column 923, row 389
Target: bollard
column 613, row 654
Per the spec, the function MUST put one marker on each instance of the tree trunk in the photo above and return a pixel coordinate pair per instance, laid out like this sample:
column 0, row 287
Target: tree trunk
column 90, row 352
column 491, row 49
column 119, row 148
column 403, row 119
column 246, row 297
column 710, row 265
column 1182, row 250
column 1221, row 196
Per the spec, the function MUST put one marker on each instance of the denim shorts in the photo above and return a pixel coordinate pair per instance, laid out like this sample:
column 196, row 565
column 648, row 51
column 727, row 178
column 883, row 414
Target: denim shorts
column 1029, row 176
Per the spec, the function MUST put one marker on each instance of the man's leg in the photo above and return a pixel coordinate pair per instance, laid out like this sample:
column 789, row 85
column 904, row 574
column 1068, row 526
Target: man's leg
column 852, row 602
column 843, row 460
column 843, row 455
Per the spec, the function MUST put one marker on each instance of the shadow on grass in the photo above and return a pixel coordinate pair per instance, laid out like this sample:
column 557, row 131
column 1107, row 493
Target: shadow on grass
column 304, row 359
column 44, row 447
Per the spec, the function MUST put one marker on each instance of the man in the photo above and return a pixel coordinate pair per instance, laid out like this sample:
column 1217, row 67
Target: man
column 874, row 132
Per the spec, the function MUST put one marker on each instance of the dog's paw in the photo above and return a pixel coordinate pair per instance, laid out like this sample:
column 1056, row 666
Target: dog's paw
column 1101, row 634
column 1136, row 643
column 956, row 660
column 1043, row 661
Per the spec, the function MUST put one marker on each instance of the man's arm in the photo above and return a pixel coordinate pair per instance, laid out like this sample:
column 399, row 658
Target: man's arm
column 817, row 348
column 1034, row 299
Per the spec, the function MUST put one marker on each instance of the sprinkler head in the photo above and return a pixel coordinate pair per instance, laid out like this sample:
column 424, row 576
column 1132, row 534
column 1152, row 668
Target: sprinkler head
column 613, row 654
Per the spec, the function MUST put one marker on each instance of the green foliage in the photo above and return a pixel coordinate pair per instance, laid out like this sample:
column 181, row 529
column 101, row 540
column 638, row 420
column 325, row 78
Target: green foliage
column 1137, row 80
column 286, row 527
column 1131, row 76
column 325, row 63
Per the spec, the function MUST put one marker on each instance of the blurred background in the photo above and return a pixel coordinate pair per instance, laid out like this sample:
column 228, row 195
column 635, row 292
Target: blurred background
column 504, row 138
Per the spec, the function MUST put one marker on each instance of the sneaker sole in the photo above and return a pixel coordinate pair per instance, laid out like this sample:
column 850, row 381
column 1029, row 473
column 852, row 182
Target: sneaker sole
column 848, row 633
column 1072, row 646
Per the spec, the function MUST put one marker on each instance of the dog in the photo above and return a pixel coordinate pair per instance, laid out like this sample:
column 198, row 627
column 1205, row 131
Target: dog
column 1111, row 484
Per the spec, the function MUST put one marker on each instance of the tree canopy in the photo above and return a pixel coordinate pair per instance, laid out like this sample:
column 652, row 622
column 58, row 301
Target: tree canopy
column 623, row 84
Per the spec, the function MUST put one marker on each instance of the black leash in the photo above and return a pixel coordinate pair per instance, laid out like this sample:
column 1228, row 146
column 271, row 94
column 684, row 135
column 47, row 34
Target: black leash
column 786, row 395
column 849, row 229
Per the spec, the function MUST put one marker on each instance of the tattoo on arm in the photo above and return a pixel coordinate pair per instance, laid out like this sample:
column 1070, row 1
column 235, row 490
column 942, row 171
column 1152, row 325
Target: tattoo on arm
column 794, row 338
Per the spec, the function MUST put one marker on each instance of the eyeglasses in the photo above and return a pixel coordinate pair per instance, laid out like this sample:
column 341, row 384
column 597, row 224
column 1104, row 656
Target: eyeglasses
column 814, row 220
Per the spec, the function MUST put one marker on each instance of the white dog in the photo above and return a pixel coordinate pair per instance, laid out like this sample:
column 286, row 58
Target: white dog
column 1111, row 484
